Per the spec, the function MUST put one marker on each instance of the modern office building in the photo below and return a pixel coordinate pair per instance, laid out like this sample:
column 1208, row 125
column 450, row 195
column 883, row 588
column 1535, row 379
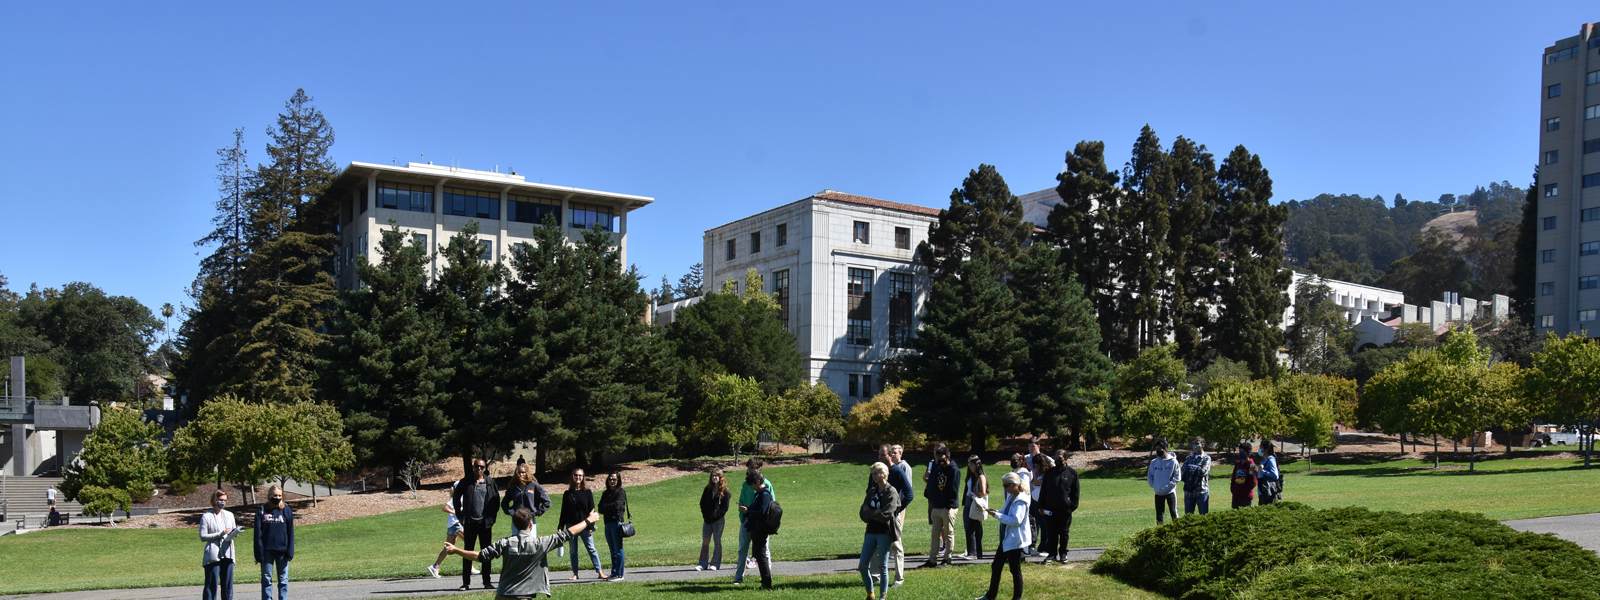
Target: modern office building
column 1567, row 288
column 840, row 266
column 430, row 203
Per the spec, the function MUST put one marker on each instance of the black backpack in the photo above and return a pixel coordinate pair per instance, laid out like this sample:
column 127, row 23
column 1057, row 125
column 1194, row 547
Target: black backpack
column 772, row 518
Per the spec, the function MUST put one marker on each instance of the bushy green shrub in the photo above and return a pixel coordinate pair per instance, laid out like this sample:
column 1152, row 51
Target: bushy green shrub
column 1289, row 550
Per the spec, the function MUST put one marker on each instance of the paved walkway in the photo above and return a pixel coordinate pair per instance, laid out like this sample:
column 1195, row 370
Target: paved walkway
column 1583, row 530
column 393, row 588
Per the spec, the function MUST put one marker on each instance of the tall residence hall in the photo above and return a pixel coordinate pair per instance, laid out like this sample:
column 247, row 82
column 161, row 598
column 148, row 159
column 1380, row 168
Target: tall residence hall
column 1567, row 296
column 431, row 203
column 840, row 266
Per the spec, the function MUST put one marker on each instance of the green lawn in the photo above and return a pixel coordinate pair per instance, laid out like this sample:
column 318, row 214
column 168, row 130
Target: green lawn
column 957, row 582
column 820, row 521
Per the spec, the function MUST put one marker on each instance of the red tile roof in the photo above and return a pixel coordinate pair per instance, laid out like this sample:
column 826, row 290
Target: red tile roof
column 833, row 196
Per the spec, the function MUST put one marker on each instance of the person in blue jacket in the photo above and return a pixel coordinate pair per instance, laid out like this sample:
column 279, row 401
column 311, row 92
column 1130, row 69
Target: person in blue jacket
column 1269, row 484
column 274, row 543
column 1014, row 536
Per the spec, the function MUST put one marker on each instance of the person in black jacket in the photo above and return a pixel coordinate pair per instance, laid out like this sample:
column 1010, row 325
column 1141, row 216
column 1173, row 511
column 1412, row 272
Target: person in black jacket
column 274, row 543
column 756, row 523
column 1060, row 499
column 944, row 499
column 475, row 499
column 614, row 508
column 576, row 504
column 525, row 492
column 713, row 509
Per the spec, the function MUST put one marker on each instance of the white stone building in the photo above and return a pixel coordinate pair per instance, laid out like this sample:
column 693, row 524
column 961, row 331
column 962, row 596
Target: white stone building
column 840, row 267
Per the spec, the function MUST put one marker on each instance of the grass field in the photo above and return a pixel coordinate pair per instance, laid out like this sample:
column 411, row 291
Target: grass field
column 958, row 582
column 820, row 521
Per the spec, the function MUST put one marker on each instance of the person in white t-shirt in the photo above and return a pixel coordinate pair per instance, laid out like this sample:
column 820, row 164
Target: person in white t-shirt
column 452, row 532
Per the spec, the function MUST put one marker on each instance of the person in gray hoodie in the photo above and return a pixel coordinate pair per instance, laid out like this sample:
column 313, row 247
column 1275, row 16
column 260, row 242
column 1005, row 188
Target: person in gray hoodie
column 1163, row 476
column 1196, row 479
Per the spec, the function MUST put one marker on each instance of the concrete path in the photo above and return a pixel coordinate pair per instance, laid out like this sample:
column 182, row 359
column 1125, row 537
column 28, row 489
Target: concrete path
column 245, row 586
column 1583, row 530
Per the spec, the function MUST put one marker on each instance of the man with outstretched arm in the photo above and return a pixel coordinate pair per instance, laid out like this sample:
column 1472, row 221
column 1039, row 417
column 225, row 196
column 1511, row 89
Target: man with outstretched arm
column 523, row 575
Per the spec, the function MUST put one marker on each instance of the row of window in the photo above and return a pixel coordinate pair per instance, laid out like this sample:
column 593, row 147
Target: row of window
column 1589, row 147
column 858, row 307
column 1549, row 321
column 781, row 235
column 861, row 385
column 486, row 205
column 1554, row 90
column 1552, row 190
column 1586, row 282
column 861, row 233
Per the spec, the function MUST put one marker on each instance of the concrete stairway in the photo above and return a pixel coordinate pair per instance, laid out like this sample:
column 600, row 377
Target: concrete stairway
column 25, row 497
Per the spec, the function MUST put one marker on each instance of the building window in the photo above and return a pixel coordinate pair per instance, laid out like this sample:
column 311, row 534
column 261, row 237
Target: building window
column 487, row 255
column 1591, row 112
column 471, row 203
column 1547, row 256
column 1551, row 156
column 1560, row 55
column 1589, row 214
column 405, row 196
column 1584, row 249
column 862, row 232
column 860, row 385
column 1551, row 190
column 858, row 308
column 1549, row 223
column 1587, row 315
column 1591, row 180
column 1552, row 124
column 1590, row 146
column 420, row 240
column 527, row 209
column 1547, row 321
column 732, row 249
column 1589, row 282
column 783, row 234
column 902, row 238
column 1552, row 91
column 593, row 216
column 755, row 242
column 780, row 292
column 901, row 298
column 361, row 201
column 1592, row 78
column 1547, row 288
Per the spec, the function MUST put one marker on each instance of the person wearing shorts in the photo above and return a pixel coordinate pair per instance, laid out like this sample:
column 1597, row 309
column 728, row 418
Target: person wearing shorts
column 452, row 532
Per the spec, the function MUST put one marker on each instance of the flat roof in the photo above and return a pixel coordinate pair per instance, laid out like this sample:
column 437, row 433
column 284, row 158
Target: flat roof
column 843, row 198
column 507, row 180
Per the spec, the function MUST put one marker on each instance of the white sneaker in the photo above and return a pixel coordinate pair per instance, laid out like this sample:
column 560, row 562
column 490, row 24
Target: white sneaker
column 712, row 567
column 698, row 568
column 615, row 579
column 434, row 571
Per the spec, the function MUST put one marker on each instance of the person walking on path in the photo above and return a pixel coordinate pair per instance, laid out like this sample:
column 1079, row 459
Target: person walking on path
column 274, row 543
column 452, row 532
column 757, row 524
column 900, row 478
column 1036, row 471
column 747, row 496
column 975, row 491
column 614, row 508
column 525, row 492
column 877, row 511
column 576, row 503
column 713, row 514
column 476, row 500
column 1163, row 476
column 1060, row 499
column 1270, row 481
column 1014, row 534
column 1196, row 479
column 217, row 530
column 1243, row 481
column 939, row 487
column 522, row 574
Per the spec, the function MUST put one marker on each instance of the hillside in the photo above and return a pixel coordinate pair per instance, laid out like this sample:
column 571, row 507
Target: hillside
column 1456, row 226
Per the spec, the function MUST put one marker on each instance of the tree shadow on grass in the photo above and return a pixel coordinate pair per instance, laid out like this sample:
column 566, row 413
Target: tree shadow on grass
column 1444, row 470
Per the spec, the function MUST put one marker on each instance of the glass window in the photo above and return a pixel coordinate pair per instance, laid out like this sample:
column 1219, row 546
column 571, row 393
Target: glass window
column 1589, row 214
column 1589, row 282
column 472, row 203
column 488, row 250
column 420, row 240
column 1549, row 223
column 527, row 209
column 902, row 238
column 1584, row 249
column 361, row 201
column 1586, row 315
column 405, row 196
column 1563, row 54
column 731, row 249
column 1591, row 146
column 783, row 234
column 755, row 242
column 1552, row 91
column 1551, row 156
column 1552, row 124
column 1592, row 78
column 1547, row 256
column 593, row 216
column 855, row 385
column 1547, row 321
column 860, row 385
column 858, row 308
column 901, row 299
column 1547, row 288
column 780, row 292
column 1591, row 112
column 862, row 232
column 1551, row 190
column 1591, row 180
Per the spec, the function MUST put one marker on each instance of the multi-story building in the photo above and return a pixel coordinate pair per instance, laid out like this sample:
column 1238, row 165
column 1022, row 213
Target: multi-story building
column 430, row 203
column 1567, row 288
column 841, row 268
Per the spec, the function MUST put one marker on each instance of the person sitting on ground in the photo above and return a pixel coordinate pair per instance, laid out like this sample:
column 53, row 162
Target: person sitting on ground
column 1243, row 482
column 1270, row 481
column 522, row 574
column 877, row 511
column 1197, row 479
column 1163, row 475
column 1014, row 534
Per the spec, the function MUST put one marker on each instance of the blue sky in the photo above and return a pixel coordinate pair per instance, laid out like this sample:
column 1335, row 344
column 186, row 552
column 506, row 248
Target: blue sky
column 111, row 112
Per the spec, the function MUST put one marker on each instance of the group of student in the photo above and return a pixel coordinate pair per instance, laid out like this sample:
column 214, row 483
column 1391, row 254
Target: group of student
column 1255, row 476
column 273, row 548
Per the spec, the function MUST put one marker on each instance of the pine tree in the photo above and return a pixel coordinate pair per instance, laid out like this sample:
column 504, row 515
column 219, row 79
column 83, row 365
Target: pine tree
column 727, row 333
column 664, row 294
column 1142, row 224
column 1065, row 366
column 1192, row 242
column 1319, row 340
column 387, row 364
column 692, row 283
column 209, row 338
column 1253, row 287
column 1522, row 275
column 467, row 304
column 1081, row 226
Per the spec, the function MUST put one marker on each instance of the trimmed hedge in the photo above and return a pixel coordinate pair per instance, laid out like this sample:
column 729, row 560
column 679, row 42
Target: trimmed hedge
column 1289, row 550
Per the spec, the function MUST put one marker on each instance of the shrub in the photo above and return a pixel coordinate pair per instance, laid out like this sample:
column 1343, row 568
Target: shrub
column 882, row 420
column 1288, row 550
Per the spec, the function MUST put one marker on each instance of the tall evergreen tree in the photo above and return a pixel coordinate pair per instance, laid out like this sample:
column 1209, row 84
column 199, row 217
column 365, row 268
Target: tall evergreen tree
column 1253, row 289
column 1142, row 224
column 726, row 333
column 1522, row 275
column 209, row 338
column 1319, row 340
column 1192, row 243
column 467, row 304
column 387, row 364
column 1081, row 226
column 693, row 282
column 1065, row 366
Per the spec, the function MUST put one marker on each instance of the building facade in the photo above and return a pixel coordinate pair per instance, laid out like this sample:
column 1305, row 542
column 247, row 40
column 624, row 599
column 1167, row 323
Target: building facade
column 1567, row 288
column 841, row 268
column 431, row 203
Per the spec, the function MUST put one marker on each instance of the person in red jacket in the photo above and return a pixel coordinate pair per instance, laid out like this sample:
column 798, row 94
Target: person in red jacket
column 1243, row 482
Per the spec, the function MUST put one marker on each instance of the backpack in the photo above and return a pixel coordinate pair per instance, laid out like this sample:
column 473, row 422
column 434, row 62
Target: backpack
column 772, row 518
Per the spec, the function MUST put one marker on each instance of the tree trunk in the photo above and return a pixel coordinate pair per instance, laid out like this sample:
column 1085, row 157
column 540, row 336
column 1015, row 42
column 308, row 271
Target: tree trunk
column 1435, row 451
column 977, row 437
column 541, row 464
column 1472, row 460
